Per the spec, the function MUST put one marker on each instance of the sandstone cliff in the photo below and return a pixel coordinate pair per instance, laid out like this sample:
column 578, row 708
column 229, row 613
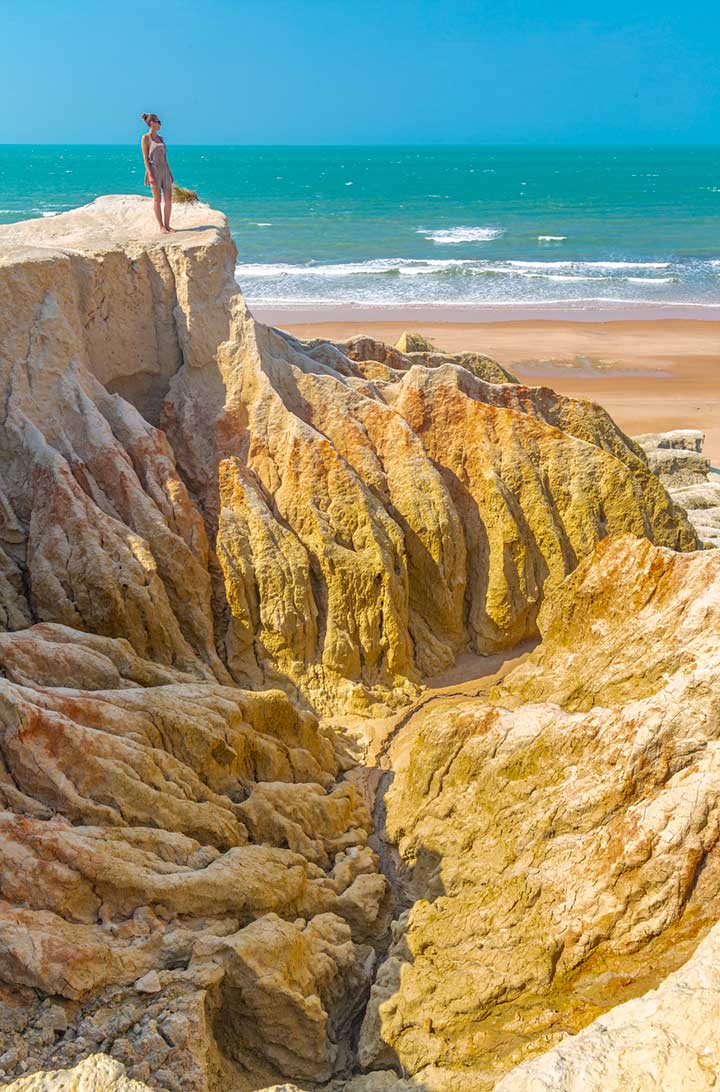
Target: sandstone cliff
column 209, row 532
column 562, row 837
column 334, row 520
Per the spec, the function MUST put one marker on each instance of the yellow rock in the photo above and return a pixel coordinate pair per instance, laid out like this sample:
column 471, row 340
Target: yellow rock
column 567, row 846
column 664, row 1039
column 414, row 343
column 202, row 518
column 337, row 520
column 388, row 524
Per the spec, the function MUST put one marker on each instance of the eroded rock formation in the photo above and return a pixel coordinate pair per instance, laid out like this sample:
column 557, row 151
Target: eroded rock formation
column 184, row 880
column 562, row 837
column 665, row 1039
column 334, row 520
column 677, row 459
column 209, row 533
column 97, row 1073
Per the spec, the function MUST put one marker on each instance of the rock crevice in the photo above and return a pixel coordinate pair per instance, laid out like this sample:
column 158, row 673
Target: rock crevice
column 336, row 520
column 210, row 533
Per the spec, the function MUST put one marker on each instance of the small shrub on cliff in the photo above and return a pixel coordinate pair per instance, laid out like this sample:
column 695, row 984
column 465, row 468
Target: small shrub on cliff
column 188, row 197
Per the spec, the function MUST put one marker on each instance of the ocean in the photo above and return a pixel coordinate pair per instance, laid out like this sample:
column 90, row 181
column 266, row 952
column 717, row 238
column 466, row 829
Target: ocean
column 443, row 229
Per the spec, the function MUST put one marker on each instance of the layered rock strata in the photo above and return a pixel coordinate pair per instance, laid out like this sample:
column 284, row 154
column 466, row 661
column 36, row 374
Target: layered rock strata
column 335, row 520
column 185, row 878
column 209, row 531
column 676, row 457
column 185, row 884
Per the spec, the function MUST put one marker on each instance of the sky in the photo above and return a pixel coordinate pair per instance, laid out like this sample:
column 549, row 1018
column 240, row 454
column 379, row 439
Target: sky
column 361, row 71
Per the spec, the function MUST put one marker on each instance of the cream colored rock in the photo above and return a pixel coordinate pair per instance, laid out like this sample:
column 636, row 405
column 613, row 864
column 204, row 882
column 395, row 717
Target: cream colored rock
column 145, row 830
column 676, row 457
column 153, row 813
column 702, row 496
column 668, row 1038
column 678, row 468
column 99, row 521
column 98, row 1073
column 191, row 502
column 678, row 439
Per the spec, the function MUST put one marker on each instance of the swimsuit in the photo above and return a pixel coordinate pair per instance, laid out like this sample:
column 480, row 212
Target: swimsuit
column 162, row 177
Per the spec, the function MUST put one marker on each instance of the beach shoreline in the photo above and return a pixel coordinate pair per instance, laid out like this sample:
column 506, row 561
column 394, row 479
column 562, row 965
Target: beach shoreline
column 651, row 375
column 582, row 312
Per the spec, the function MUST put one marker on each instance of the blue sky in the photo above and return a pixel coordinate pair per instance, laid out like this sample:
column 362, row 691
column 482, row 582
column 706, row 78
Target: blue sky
column 362, row 71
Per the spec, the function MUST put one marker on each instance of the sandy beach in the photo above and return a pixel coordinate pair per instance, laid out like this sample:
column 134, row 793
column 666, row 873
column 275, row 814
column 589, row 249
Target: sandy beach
column 650, row 375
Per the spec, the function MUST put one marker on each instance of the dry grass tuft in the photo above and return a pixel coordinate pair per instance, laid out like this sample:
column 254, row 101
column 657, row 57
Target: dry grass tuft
column 184, row 196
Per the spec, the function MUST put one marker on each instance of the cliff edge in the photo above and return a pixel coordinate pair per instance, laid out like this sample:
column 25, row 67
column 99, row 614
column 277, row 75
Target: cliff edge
column 334, row 520
column 210, row 532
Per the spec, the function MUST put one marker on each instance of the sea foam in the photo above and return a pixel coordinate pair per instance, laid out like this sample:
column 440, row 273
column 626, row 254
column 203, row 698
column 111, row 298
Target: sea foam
column 466, row 267
column 446, row 236
column 472, row 281
column 568, row 264
column 373, row 267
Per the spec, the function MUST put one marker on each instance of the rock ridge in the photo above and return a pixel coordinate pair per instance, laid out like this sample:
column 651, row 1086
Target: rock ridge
column 211, row 533
column 335, row 520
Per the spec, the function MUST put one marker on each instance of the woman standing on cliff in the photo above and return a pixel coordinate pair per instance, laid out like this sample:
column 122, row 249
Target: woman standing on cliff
column 157, row 172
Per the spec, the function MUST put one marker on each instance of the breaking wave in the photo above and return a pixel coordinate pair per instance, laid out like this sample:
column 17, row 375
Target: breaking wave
column 410, row 281
column 453, row 235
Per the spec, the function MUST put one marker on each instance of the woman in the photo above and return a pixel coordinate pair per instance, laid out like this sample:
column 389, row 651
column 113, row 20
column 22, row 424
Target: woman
column 157, row 172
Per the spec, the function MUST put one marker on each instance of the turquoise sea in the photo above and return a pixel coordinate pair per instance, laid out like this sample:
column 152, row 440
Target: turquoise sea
column 434, row 227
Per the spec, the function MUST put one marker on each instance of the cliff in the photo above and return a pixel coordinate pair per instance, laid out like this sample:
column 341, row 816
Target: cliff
column 338, row 521
column 211, row 532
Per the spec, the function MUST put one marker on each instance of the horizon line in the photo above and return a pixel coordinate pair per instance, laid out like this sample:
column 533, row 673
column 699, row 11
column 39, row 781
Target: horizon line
column 380, row 144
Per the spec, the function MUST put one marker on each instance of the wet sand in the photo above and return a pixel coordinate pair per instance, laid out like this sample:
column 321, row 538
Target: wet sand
column 651, row 375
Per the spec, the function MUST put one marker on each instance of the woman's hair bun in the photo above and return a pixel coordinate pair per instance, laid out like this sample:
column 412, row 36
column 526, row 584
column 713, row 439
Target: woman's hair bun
column 148, row 117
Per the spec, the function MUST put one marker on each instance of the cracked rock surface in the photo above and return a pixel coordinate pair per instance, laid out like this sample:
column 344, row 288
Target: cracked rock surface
column 335, row 520
column 561, row 840
column 676, row 457
column 210, row 533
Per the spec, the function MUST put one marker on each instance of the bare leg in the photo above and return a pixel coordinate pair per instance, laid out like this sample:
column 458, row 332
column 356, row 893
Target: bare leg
column 168, row 210
column 156, row 206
